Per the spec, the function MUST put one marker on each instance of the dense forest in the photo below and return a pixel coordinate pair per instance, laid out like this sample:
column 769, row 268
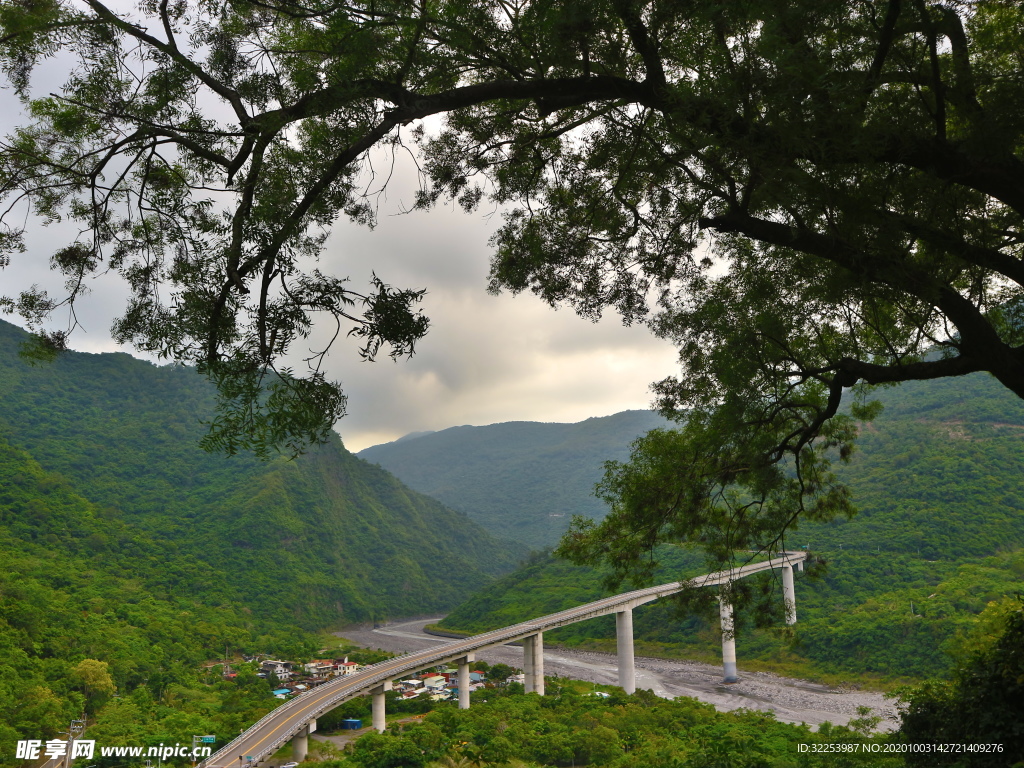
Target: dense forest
column 353, row 542
column 571, row 726
column 937, row 537
column 82, row 590
column 132, row 557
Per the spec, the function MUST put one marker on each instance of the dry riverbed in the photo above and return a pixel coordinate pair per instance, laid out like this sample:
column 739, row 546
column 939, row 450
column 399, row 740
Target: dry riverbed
column 792, row 701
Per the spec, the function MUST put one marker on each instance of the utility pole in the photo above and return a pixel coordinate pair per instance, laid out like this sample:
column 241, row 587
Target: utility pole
column 75, row 730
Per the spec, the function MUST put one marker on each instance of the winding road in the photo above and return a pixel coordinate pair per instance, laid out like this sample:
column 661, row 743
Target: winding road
column 294, row 718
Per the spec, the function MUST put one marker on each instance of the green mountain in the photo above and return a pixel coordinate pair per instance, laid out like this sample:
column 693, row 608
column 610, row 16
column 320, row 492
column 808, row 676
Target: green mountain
column 78, row 583
column 124, row 543
column 325, row 538
column 521, row 480
column 938, row 536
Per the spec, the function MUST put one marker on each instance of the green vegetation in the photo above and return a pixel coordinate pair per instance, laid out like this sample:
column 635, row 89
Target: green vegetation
column 354, row 543
column 480, row 470
column 132, row 559
column 99, row 617
column 936, row 473
column 985, row 697
column 570, row 727
column 853, row 167
column 940, row 514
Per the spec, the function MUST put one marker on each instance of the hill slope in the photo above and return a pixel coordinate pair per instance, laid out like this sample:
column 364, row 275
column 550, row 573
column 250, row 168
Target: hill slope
column 522, row 480
column 78, row 583
column 324, row 539
column 131, row 557
column 938, row 535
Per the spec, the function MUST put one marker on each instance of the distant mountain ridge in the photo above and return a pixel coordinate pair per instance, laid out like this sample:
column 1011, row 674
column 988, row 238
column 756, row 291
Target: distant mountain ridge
column 521, row 480
column 939, row 534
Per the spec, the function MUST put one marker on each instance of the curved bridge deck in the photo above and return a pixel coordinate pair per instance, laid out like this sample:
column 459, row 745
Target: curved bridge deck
column 286, row 722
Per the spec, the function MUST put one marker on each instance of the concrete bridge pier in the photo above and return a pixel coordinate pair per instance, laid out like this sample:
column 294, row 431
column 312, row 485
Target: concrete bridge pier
column 527, row 665
column 300, row 741
column 624, row 648
column 377, row 707
column 728, row 641
column 464, row 663
column 538, row 663
column 533, row 663
column 789, row 594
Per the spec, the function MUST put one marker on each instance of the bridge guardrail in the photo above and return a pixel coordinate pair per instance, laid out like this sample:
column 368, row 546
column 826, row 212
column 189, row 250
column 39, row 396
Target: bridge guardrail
column 374, row 674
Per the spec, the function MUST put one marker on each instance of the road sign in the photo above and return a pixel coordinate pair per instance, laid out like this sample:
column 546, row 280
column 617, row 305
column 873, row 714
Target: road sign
column 207, row 739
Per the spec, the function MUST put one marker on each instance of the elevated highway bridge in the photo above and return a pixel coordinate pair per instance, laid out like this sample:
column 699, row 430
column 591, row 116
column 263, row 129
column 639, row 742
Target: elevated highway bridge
column 296, row 719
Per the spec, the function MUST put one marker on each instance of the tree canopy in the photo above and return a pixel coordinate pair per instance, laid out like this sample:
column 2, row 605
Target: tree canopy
column 803, row 195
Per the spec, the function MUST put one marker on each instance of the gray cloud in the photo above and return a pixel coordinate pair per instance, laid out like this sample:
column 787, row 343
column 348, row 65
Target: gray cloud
column 486, row 359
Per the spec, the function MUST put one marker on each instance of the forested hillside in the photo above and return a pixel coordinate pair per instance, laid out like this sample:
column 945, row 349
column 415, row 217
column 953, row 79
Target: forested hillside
column 79, row 584
column 324, row 538
column 938, row 535
column 125, row 544
column 522, row 480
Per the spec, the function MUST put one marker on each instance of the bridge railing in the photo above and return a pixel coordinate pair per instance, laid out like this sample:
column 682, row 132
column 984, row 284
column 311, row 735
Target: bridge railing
column 388, row 670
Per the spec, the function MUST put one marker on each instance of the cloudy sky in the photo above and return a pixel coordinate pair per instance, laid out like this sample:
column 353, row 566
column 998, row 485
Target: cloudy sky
column 486, row 359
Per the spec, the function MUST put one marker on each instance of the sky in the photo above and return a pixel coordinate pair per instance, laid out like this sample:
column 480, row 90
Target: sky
column 486, row 359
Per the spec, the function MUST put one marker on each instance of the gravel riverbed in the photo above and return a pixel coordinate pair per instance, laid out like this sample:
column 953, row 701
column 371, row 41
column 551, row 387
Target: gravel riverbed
column 792, row 701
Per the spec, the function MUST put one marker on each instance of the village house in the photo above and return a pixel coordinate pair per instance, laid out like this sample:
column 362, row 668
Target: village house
column 321, row 669
column 282, row 669
column 435, row 682
column 346, row 667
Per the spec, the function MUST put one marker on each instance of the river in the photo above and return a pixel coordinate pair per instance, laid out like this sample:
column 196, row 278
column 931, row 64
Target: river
column 792, row 701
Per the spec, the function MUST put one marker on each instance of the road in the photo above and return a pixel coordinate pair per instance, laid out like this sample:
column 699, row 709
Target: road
column 292, row 718
column 792, row 701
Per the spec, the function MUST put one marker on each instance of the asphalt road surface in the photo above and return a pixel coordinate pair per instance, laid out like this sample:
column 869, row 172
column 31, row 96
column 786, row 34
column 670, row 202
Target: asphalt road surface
column 792, row 701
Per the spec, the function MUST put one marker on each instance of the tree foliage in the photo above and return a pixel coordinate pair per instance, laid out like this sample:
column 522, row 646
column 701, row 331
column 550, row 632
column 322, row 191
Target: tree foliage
column 571, row 727
column 91, row 606
column 983, row 703
column 801, row 195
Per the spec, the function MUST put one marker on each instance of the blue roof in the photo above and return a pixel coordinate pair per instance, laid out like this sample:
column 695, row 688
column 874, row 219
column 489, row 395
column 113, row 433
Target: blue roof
column 280, row 690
